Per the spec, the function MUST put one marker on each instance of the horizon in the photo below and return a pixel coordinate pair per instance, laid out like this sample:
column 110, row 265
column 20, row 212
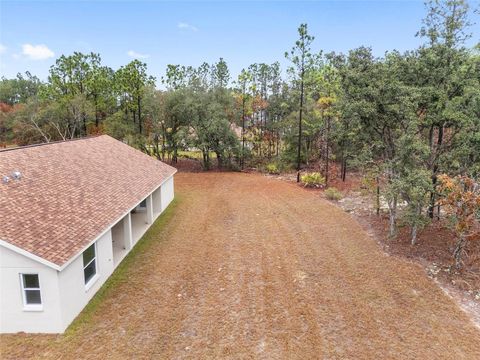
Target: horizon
column 162, row 33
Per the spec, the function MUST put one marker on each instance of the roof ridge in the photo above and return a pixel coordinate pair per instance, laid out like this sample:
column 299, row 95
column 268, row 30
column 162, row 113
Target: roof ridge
column 51, row 143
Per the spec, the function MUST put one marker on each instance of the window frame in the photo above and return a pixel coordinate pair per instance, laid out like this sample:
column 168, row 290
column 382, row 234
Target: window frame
column 88, row 284
column 26, row 306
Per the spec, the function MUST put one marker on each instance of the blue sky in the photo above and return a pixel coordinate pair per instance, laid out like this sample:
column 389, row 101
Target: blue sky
column 34, row 33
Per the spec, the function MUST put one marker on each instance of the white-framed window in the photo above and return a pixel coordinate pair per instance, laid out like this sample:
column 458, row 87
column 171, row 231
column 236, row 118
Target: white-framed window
column 32, row 297
column 89, row 263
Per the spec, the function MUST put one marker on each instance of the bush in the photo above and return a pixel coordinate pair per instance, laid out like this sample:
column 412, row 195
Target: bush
column 333, row 194
column 312, row 179
column 284, row 166
column 272, row 168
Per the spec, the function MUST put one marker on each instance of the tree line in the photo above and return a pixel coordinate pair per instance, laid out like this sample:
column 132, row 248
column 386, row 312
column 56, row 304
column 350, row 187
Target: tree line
column 404, row 118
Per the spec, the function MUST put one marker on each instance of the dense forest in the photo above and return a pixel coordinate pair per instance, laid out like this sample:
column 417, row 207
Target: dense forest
column 410, row 121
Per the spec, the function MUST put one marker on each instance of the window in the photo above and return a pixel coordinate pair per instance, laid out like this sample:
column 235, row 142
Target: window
column 89, row 263
column 31, row 290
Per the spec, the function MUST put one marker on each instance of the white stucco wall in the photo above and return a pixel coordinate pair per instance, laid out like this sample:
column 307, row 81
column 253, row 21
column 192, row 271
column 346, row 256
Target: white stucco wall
column 167, row 193
column 63, row 294
column 157, row 201
column 73, row 293
column 13, row 317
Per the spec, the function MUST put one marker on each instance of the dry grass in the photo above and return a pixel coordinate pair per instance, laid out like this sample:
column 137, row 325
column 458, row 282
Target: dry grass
column 249, row 267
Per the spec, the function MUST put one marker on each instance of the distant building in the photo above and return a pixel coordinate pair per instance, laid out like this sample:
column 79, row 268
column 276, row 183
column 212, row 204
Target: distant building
column 69, row 213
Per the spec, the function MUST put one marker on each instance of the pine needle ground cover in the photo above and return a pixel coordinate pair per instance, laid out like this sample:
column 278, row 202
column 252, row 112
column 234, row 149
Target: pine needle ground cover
column 244, row 266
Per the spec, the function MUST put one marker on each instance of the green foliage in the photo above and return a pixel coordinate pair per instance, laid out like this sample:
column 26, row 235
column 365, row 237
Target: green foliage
column 313, row 179
column 333, row 193
column 117, row 126
column 272, row 168
column 19, row 89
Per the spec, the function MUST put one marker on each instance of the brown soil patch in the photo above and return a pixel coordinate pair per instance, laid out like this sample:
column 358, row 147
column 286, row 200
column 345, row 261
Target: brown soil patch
column 249, row 267
column 435, row 246
column 433, row 250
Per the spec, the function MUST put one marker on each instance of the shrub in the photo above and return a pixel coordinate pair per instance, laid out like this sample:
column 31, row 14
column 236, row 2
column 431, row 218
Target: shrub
column 333, row 194
column 461, row 201
column 312, row 179
column 272, row 168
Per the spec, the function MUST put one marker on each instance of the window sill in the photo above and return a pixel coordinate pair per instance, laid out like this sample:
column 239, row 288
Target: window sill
column 91, row 282
column 33, row 308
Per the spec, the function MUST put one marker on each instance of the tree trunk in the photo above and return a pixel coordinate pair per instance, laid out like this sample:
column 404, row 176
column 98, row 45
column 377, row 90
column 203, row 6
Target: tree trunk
column 392, row 208
column 278, row 144
column 327, row 155
column 163, row 144
column 84, row 118
column 300, row 128
column 175, row 154
column 260, row 139
column 341, row 164
column 96, row 111
column 418, row 212
column 458, row 252
column 378, row 196
column 206, row 159
column 139, row 103
column 414, row 234
column 156, row 147
column 242, row 162
column 431, row 207
column 219, row 159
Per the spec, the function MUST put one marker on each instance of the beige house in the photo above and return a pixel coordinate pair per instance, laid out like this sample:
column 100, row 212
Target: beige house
column 69, row 213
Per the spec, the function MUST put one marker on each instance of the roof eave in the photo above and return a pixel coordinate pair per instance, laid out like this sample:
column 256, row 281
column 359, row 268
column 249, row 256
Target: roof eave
column 29, row 255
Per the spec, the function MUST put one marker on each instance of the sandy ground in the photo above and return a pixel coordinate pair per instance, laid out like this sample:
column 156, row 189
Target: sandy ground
column 254, row 268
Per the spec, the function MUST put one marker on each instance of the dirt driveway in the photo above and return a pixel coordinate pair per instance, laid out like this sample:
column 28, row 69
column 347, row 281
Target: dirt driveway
column 245, row 267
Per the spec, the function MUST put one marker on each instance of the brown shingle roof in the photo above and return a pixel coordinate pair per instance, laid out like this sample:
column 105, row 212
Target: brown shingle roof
column 70, row 192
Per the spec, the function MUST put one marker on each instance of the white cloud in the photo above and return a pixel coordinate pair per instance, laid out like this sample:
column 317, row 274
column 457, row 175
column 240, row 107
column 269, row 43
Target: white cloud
column 37, row 52
column 3, row 49
column 136, row 55
column 186, row 26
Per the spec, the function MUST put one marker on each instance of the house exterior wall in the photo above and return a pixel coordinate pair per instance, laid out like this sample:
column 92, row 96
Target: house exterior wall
column 157, row 201
column 64, row 293
column 167, row 193
column 74, row 295
column 13, row 316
